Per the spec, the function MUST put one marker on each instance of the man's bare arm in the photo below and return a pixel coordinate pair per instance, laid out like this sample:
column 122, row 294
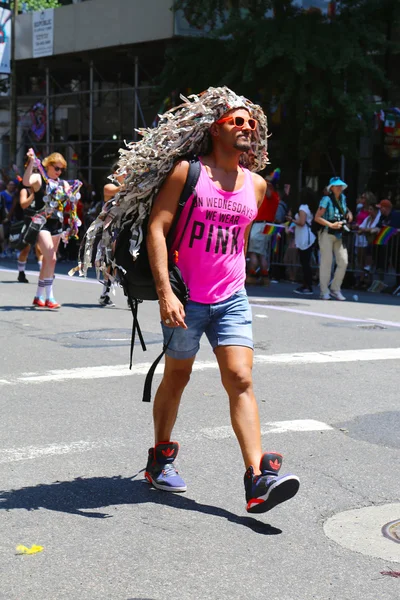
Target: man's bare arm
column 161, row 218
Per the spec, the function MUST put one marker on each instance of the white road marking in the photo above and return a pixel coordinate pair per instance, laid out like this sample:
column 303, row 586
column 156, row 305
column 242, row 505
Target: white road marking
column 335, row 356
column 297, row 358
column 10, row 455
column 309, row 313
column 225, row 431
column 360, row 530
column 262, row 316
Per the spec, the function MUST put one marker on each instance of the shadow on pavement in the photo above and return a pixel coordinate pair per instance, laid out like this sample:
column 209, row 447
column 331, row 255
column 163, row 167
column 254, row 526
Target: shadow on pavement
column 24, row 308
column 81, row 495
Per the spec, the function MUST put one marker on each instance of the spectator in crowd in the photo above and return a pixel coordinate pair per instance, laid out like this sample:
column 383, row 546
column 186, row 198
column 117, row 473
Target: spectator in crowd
column 367, row 231
column 365, row 201
column 259, row 243
column 282, row 210
column 332, row 215
column 389, row 218
column 8, row 195
column 290, row 257
column 362, row 207
column 6, row 201
column 304, row 238
column 3, row 225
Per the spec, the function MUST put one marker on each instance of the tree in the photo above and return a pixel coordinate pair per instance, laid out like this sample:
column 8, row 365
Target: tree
column 33, row 5
column 319, row 73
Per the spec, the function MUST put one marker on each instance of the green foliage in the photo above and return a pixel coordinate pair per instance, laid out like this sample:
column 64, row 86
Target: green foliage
column 322, row 73
column 32, row 5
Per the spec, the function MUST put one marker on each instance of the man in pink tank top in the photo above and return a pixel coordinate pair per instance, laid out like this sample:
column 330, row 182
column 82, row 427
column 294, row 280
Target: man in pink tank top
column 212, row 231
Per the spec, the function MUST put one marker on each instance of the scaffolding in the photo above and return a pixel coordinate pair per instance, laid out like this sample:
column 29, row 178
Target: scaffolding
column 84, row 107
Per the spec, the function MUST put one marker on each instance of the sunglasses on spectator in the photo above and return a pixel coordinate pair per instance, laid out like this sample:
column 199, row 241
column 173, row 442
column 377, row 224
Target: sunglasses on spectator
column 239, row 122
column 57, row 169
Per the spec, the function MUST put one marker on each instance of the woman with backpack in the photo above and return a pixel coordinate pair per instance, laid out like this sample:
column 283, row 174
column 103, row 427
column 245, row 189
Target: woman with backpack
column 304, row 238
column 333, row 215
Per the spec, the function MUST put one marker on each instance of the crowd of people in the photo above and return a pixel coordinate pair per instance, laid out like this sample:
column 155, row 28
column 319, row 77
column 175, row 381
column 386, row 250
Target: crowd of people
column 301, row 240
column 316, row 233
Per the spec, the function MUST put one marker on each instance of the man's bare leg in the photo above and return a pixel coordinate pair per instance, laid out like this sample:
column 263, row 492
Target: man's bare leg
column 264, row 491
column 160, row 470
column 236, row 363
column 166, row 403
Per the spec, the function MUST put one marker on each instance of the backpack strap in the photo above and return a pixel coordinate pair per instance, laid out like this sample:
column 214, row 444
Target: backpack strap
column 188, row 190
column 338, row 204
column 150, row 374
column 133, row 304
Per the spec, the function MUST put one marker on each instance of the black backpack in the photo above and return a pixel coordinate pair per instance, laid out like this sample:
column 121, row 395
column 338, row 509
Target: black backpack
column 136, row 277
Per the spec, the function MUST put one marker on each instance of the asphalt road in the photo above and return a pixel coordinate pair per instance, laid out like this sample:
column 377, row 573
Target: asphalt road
column 74, row 436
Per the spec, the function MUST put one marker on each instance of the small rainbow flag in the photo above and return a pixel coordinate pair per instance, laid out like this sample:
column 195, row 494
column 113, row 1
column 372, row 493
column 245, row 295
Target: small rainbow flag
column 384, row 235
column 270, row 229
column 275, row 242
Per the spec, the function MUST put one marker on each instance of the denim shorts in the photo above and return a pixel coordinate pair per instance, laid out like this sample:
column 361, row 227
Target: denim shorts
column 226, row 323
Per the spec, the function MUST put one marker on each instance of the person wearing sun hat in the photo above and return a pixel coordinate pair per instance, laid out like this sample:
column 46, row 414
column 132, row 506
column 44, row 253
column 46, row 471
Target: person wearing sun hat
column 331, row 216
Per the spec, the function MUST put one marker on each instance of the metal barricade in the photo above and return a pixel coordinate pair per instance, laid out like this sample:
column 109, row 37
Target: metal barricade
column 370, row 262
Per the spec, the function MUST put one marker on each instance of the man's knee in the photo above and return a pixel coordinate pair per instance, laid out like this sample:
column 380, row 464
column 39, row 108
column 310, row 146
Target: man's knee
column 237, row 380
column 176, row 378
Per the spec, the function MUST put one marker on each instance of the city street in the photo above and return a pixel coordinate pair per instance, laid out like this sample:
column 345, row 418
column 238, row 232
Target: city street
column 74, row 436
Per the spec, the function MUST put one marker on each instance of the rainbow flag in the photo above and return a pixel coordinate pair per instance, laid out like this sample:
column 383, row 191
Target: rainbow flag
column 385, row 234
column 275, row 242
column 271, row 229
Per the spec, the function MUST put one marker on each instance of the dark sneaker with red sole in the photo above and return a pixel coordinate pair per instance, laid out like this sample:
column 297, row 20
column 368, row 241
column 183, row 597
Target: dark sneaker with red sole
column 160, row 469
column 265, row 491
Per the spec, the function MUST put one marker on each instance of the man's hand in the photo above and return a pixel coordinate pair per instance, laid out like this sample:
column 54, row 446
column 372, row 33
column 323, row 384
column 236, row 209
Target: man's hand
column 172, row 311
column 336, row 225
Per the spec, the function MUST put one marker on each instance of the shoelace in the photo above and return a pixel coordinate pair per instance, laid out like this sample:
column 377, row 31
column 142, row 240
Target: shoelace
column 169, row 470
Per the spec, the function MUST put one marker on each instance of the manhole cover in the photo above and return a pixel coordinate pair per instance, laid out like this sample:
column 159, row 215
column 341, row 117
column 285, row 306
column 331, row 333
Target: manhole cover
column 97, row 338
column 392, row 531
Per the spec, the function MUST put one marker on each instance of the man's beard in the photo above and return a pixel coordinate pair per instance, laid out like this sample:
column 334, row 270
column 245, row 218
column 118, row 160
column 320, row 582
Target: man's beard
column 243, row 144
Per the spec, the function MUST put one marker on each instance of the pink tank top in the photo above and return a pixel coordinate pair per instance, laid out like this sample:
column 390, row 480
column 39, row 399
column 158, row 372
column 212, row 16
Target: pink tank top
column 211, row 252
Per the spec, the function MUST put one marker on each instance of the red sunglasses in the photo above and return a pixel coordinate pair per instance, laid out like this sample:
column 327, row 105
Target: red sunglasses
column 239, row 122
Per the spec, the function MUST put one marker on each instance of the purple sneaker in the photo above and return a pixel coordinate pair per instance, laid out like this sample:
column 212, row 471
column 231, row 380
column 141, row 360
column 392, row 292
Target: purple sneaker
column 160, row 470
column 265, row 491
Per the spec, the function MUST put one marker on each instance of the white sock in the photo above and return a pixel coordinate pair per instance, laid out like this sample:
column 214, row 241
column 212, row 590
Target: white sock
column 49, row 288
column 40, row 288
column 21, row 266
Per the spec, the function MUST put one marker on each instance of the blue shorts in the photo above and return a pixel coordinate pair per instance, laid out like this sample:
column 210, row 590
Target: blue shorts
column 226, row 323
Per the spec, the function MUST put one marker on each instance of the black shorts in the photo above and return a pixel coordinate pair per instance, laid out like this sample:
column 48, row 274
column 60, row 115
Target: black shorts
column 53, row 226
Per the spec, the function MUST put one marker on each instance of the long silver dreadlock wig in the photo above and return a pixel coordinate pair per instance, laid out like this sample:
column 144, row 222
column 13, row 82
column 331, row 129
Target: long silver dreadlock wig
column 181, row 132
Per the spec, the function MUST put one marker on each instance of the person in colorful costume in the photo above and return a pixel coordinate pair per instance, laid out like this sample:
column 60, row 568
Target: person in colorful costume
column 220, row 128
column 50, row 197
